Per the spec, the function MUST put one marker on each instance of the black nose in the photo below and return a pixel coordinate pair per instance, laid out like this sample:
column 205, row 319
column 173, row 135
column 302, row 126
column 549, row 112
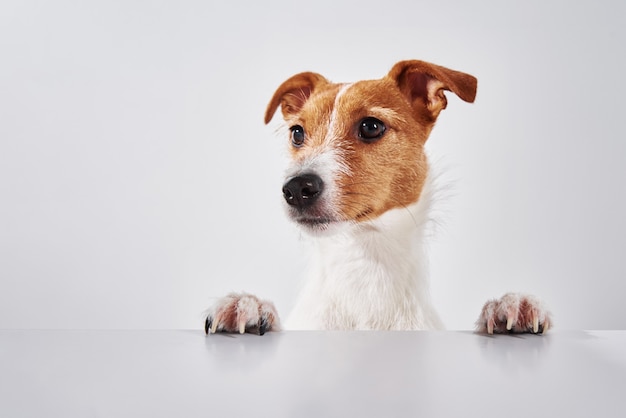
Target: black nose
column 303, row 191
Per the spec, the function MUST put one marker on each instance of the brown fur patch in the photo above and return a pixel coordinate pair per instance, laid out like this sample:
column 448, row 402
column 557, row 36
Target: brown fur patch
column 389, row 172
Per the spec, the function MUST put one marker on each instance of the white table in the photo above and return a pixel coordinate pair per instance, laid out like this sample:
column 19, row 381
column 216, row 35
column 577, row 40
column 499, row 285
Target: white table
column 311, row 374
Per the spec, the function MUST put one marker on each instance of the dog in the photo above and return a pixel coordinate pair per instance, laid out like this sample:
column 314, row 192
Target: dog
column 359, row 185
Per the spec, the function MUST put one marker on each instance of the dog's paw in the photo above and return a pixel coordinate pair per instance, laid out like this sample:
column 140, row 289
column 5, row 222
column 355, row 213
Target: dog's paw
column 242, row 312
column 514, row 313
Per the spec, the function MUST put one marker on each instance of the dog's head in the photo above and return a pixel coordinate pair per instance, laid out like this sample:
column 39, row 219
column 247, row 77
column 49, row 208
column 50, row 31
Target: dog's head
column 358, row 149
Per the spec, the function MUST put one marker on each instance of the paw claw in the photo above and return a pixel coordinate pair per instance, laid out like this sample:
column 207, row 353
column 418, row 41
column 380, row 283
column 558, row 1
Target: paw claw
column 514, row 313
column 264, row 325
column 241, row 313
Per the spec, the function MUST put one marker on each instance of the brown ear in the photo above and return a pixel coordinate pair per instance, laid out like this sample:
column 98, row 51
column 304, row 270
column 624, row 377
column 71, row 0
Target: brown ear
column 292, row 94
column 424, row 83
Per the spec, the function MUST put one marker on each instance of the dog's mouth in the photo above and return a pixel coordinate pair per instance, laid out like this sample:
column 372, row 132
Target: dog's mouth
column 325, row 222
column 318, row 224
column 314, row 222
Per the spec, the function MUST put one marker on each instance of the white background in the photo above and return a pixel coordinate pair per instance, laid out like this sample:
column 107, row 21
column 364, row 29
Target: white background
column 138, row 182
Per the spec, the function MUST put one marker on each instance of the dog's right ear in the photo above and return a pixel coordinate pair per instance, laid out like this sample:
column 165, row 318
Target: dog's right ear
column 424, row 84
column 293, row 93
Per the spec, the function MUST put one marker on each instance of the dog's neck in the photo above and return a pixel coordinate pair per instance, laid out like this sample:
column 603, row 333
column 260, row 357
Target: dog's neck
column 392, row 240
column 371, row 275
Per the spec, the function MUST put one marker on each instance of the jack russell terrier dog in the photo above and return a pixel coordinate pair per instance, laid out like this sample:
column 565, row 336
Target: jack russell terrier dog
column 359, row 184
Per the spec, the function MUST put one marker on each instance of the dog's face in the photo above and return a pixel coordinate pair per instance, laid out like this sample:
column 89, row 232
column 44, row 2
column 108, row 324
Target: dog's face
column 358, row 149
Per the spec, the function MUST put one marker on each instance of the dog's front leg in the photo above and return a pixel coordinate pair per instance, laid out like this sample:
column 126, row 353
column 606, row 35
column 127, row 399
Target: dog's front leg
column 514, row 313
column 242, row 312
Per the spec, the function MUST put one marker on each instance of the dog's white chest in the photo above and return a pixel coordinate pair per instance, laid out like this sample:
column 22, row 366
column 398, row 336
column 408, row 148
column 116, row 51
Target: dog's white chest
column 368, row 278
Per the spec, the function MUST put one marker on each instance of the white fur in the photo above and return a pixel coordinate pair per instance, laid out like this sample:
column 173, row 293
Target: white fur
column 371, row 275
column 332, row 124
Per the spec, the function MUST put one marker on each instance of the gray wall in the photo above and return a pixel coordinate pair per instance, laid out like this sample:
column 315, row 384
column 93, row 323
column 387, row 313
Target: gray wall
column 138, row 182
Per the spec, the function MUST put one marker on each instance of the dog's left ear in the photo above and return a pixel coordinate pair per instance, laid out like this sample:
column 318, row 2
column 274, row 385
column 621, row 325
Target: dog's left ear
column 424, row 84
column 293, row 93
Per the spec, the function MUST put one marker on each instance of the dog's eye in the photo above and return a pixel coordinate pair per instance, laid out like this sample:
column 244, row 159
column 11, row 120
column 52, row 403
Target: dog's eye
column 371, row 129
column 297, row 135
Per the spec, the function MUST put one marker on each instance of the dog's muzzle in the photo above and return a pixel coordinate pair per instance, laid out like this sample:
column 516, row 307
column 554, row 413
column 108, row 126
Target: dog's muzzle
column 302, row 191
